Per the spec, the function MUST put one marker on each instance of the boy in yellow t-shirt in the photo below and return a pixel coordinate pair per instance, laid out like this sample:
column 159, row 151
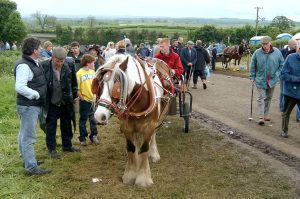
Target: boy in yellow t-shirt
column 85, row 77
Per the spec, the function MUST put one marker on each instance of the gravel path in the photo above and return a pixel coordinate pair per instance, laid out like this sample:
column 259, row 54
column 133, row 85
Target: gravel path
column 225, row 107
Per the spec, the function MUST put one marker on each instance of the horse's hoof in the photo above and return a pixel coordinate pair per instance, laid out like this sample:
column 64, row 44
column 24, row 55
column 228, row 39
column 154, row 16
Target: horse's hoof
column 154, row 158
column 143, row 181
column 129, row 178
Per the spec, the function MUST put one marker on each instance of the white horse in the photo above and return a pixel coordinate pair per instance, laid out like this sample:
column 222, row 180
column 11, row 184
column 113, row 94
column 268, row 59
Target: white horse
column 135, row 95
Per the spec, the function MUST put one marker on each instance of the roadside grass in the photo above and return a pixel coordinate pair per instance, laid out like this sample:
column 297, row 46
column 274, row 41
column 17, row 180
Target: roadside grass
column 229, row 71
column 198, row 164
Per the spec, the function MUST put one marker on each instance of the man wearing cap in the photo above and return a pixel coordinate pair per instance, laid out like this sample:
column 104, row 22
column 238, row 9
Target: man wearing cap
column 188, row 58
column 266, row 66
column 202, row 60
column 62, row 90
column 290, row 75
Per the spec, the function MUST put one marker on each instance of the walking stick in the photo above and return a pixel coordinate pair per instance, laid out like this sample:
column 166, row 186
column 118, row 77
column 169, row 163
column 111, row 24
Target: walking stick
column 188, row 82
column 251, row 118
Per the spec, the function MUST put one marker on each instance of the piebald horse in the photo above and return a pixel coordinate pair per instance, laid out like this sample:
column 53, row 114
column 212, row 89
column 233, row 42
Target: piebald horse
column 134, row 93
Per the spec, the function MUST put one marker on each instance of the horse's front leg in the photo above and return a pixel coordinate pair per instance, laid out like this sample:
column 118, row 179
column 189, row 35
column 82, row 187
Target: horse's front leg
column 143, row 178
column 153, row 153
column 132, row 164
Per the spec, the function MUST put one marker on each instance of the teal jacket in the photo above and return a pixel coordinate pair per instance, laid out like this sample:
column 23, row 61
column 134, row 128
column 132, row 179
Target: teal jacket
column 263, row 63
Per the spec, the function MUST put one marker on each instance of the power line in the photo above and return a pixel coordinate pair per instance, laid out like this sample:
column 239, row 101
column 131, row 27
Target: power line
column 258, row 18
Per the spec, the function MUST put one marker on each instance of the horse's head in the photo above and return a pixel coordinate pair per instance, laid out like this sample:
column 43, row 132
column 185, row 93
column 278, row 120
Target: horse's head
column 110, row 87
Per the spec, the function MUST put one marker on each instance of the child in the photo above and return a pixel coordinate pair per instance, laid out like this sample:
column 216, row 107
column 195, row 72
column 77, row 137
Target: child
column 85, row 76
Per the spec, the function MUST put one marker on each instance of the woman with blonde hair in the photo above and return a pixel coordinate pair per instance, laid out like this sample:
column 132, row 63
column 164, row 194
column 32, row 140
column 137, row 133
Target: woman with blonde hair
column 109, row 51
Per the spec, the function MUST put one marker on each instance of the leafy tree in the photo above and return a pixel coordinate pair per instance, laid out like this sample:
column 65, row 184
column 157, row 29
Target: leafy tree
column 91, row 36
column 6, row 8
column 44, row 21
column 91, row 22
column 282, row 23
column 175, row 35
column 207, row 33
column 64, row 35
column 79, row 34
column 14, row 28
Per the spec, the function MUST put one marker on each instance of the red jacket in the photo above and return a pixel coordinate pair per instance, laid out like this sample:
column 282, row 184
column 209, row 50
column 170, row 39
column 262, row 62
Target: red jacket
column 173, row 61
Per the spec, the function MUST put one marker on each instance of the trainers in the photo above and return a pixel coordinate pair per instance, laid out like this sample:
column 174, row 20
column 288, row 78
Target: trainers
column 95, row 140
column 194, row 86
column 261, row 121
column 72, row 149
column 38, row 171
column 54, row 155
column 284, row 134
column 204, row 86
column 83, row 143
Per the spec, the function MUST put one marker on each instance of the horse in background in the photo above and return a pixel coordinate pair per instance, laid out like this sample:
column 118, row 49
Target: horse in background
column 133, row 92
column 235, row 52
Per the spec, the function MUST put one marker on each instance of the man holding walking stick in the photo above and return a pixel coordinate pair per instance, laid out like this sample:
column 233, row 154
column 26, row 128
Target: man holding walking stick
column 188, row 57
column 266, row 66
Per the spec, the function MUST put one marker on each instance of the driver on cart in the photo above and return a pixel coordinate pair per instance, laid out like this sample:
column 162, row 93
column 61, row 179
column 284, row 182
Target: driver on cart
column 170, row 57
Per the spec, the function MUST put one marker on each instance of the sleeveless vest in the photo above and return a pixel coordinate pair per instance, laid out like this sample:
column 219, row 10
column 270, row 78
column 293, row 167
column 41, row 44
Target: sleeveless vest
column 38, row 83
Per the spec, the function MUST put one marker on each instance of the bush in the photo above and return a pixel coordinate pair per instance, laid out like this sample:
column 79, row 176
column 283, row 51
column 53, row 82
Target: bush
column 7, row 61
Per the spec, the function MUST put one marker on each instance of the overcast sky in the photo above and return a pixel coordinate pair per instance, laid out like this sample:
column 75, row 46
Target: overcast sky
column 243, row 9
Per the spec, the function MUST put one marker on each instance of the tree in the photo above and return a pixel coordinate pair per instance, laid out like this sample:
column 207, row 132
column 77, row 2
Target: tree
column 6, row 8
column 79, row 34
column 14, row 29
column 44, row 21
column 91, row 22
column 282, row 23
column 64, row 35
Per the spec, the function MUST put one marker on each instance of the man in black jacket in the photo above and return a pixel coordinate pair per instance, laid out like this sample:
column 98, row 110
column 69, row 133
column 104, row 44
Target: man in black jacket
column 62, row 90
column 202, row 60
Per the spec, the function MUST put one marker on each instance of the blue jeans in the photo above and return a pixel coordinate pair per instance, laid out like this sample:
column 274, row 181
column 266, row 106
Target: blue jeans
column 86, row 112
column 298, row 113
column 27, row 134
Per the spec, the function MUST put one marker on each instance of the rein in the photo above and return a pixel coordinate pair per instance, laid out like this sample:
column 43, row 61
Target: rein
column 122, row 108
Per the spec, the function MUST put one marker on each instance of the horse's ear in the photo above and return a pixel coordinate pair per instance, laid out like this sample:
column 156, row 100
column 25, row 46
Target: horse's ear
column 123, row 65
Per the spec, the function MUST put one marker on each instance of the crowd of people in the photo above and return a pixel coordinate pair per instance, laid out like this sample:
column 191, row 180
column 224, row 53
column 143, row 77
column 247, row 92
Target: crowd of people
column 270, row 65
column 50, row 80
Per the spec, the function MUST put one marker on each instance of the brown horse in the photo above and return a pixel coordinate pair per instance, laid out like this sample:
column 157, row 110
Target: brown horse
column 235, row 52
column 134, row 93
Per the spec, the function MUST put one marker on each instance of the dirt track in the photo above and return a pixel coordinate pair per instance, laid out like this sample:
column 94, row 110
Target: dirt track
column 225, row 106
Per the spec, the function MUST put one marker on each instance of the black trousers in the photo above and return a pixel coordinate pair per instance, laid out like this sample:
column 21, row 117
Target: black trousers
column 289, row 104
column 54, row 113
column 86, row 112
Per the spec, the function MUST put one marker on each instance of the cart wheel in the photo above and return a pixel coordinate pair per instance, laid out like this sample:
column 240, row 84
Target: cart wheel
column 186, row 116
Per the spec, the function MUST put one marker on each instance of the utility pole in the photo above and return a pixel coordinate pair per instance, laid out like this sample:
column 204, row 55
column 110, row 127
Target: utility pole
column 258, row 18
